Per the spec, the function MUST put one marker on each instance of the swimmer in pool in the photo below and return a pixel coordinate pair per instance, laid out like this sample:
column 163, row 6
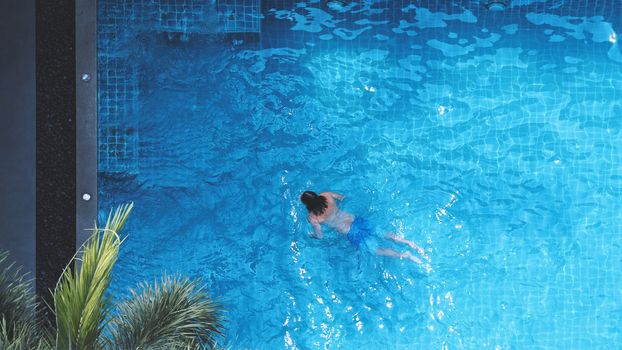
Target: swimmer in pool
column 323, row 210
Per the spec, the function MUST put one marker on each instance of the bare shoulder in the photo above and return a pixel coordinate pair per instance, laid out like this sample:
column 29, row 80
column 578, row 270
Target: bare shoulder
column 328, row 195
column 311, row 218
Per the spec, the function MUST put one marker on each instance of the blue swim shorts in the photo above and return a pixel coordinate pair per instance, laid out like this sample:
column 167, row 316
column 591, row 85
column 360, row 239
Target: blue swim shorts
column 362, row 235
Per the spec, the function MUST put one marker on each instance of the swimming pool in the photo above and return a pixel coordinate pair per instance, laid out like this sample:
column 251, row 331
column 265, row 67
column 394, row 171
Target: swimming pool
column 490, row 137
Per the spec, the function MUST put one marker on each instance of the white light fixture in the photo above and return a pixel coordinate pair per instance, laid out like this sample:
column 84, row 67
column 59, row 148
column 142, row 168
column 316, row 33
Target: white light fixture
column 336, row 5
column 496, row 5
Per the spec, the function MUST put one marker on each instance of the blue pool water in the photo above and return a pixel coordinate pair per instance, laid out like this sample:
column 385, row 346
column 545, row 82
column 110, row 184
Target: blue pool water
column 492, row 138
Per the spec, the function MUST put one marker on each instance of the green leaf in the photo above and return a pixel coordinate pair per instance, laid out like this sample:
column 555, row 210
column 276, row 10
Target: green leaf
column 176, row 313
column 19, row 327
column 80, row 305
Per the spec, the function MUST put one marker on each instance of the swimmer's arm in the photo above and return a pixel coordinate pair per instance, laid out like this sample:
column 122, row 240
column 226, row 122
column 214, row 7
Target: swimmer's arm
column 337, row 196
column 317, row 229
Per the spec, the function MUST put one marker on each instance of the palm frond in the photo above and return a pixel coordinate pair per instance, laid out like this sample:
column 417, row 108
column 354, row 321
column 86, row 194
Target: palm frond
column 21, row 336
column 176, row 313
column 19, row 328
column 80, row 304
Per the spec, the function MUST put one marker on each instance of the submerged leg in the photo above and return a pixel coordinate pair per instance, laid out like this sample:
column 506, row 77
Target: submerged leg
column 395, row 238
column 406, row 255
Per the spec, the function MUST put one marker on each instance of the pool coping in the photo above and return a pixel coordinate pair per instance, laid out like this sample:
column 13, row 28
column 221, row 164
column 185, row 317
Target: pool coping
column 86, row 78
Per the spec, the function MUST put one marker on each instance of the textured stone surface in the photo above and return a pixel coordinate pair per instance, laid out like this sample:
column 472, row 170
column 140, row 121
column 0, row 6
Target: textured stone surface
column 56, row 137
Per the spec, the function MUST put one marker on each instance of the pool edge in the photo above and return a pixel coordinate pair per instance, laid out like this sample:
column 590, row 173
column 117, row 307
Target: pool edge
column 86, row 117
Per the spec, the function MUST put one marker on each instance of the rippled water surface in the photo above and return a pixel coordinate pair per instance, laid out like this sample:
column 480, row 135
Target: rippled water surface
column 492, row 138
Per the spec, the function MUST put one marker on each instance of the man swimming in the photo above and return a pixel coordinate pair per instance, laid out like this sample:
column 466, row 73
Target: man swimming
column 322, row 210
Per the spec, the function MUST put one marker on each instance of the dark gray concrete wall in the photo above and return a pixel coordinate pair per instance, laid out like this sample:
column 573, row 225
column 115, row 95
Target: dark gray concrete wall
column 55, row 38
column 17, row 131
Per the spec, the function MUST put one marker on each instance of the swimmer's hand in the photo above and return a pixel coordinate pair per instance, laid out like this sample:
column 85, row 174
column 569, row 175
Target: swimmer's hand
column 313, row 235
column 337, row 196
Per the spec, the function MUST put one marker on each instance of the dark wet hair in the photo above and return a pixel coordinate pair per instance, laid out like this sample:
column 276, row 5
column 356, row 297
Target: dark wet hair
column 315, row 204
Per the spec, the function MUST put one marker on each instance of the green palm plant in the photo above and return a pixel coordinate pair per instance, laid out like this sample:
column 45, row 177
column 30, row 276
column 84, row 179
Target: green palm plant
column 21, row 336
column 81, row 306
column 18, row 323
column 175, row 313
